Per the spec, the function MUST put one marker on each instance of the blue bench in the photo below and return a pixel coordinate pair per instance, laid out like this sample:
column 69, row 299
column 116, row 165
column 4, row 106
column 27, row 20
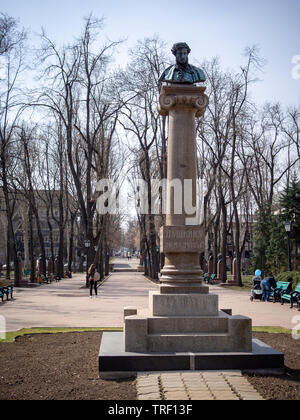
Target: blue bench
column 292, row 297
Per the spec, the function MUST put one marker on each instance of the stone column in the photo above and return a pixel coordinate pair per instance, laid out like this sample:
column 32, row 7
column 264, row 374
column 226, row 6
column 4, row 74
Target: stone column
column 41, row 265
column 50, row 266
column 234, row 270
column 219, row 271
column 232, row 281
column 182, row 241
column 211, row 265
column 56, row 266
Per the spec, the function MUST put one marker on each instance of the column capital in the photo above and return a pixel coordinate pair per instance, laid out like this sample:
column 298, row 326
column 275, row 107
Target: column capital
column 183, row 96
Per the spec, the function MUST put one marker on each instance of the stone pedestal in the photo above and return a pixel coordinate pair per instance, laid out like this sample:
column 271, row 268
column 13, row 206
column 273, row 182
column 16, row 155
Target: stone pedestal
column 182, row 328
column 183, row 316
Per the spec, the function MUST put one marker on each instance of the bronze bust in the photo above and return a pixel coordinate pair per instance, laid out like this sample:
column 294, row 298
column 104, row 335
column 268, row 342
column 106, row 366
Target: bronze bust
column 182, row 71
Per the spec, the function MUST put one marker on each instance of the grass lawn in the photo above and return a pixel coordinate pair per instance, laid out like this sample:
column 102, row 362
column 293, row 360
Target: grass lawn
column 10, row 336
column 247, row 283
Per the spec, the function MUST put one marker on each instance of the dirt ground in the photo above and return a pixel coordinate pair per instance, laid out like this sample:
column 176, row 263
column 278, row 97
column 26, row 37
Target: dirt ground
column 64, row 366
column 282, row 387
column 57, row 367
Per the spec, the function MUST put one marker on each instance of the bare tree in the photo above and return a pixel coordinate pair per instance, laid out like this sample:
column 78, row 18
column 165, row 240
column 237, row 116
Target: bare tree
column 12, row 63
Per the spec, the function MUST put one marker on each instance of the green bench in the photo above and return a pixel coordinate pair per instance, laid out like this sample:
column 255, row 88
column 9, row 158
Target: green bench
column 209, row 278
column 6, row 290
column 293, row 296
column 2, row 293
column 281, row 287
column 45, row 279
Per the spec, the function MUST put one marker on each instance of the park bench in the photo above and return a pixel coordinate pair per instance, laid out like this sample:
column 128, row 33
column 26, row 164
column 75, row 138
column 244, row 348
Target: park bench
column 212, row 278
column 292, row 296
column 281, row 287
column 209, row 278
column 6, row 290
column 45, row 279
column 27, row 272
column 2, row 293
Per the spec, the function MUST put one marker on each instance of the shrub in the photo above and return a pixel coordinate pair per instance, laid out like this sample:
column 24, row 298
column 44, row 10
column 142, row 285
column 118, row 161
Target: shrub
column 284, row 276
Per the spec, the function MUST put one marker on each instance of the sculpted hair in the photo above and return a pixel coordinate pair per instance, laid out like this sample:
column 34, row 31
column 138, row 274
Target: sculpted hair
column 180, row 45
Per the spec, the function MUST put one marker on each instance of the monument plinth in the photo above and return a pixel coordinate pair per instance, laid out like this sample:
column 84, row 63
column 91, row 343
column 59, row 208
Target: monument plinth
column 183, row 327
column 183, row 316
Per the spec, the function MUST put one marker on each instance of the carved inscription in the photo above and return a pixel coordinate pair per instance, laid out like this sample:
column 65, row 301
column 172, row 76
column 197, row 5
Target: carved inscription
column 181, row 238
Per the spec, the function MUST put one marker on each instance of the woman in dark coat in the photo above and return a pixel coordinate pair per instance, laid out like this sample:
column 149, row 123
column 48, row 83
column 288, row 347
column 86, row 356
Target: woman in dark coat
column 92, row 282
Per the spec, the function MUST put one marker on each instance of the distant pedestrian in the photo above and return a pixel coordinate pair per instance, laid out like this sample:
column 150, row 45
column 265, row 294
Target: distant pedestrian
column 92, row 282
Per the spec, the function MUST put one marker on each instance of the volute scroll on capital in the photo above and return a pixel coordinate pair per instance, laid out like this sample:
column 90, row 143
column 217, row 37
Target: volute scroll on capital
column 198, row 102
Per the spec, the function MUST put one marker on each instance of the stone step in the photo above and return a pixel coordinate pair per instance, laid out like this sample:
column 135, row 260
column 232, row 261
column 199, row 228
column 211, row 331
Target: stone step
column 184, row 342
column 217, row 324
column 195, row 305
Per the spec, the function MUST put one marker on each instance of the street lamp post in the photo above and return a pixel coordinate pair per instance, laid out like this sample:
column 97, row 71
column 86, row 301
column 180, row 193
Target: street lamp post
column 288, row 228
column 87, row 244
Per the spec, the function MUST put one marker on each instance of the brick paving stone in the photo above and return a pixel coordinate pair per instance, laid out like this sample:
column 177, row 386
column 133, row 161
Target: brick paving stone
column 204, row 385
column 196, row 387
column 200, row 394
column 174, row 390
column 175, row 396
column 149, row 390
column 153, row 396
column 227, row 398
column 141, row 384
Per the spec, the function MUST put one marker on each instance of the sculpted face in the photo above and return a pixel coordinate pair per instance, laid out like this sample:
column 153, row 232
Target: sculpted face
column 182, row 56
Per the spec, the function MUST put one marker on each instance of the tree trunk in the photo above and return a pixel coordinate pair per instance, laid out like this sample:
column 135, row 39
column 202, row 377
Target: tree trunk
column 8, row 248
column 31, row 249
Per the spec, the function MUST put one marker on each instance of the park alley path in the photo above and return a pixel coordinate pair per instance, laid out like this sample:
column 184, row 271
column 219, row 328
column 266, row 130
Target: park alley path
column 67, row 304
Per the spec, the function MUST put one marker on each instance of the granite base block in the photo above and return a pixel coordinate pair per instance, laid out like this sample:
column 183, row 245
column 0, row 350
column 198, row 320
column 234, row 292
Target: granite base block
column 115, row 363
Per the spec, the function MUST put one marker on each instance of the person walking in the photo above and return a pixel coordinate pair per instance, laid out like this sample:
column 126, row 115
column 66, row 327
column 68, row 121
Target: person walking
column 92, row 282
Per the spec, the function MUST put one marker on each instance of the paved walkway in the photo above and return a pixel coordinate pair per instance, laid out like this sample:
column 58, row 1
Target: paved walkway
column 200, row 385
column 67, row 304
column 262, row 313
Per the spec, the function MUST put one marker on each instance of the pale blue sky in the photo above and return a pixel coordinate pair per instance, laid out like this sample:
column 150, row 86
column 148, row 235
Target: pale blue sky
column 215, row 27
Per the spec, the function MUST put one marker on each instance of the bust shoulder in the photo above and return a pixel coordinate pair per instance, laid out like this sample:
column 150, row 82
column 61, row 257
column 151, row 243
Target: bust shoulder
column 199, row 72
column 166, row 73
column 191, row 75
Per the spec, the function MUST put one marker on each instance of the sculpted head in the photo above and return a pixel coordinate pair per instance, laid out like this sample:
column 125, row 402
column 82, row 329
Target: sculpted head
column 181, row 51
